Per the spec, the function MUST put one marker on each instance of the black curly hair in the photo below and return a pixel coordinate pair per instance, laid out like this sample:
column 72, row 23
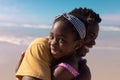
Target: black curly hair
column 88, row 16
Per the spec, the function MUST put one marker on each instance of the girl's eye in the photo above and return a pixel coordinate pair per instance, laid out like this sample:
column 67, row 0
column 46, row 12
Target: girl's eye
column 93, row 36
column 61, row 40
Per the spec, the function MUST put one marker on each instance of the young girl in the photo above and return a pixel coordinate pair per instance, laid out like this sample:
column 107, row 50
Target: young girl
column 66, row 40
column 66, row 37
column 67, row 45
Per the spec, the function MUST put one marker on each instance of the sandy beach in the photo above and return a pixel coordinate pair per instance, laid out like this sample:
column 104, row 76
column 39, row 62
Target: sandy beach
column 104, row 64
column 9, row 55
column 103, row 61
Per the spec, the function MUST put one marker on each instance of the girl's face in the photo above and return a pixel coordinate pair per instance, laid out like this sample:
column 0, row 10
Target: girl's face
column 62, row 41
column 92, row 33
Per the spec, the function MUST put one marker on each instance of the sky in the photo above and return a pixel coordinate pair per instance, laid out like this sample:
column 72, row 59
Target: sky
column 29, row 13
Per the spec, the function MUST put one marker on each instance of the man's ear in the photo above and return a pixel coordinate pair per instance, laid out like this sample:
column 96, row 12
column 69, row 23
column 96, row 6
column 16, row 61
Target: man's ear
column 78, row 44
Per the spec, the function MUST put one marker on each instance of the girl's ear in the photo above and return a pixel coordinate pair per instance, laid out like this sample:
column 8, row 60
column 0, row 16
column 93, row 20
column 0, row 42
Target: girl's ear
column 78, row 44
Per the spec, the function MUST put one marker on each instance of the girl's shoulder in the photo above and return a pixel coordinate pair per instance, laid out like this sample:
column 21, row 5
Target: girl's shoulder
column 69, row 68
column 65, row 71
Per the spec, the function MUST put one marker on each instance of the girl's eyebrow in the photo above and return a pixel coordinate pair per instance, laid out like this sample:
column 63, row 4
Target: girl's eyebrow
column 61, row 34
column 91, row 33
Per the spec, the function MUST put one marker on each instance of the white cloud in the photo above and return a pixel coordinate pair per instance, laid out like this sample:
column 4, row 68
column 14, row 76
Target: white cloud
column 9, row 25
column 36, row 25
column 109, row 28
column 9, row 9
column 7, row 17
column 14, row 18
column 111, row 19
column 24, row 25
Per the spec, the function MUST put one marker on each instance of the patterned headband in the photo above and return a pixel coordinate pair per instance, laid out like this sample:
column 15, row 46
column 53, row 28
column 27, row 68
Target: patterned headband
column 78, row 24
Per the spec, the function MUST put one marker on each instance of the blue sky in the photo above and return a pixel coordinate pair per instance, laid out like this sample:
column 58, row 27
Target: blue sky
column 42, row 12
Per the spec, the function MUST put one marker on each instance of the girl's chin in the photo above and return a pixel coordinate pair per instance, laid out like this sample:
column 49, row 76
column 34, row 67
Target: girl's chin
column 55, row 55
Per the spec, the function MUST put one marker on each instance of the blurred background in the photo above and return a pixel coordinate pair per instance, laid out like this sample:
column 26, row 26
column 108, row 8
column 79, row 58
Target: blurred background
column 21, row 21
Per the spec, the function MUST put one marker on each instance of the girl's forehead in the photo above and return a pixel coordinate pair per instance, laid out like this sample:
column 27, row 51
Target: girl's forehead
column 61, row 26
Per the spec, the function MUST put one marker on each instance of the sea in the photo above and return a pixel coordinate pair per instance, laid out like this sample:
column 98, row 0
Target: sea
column 21, row 35
column 24, row 35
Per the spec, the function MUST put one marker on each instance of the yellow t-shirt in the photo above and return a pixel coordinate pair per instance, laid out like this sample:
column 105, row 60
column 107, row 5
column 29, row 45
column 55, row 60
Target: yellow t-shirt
column 36, row 61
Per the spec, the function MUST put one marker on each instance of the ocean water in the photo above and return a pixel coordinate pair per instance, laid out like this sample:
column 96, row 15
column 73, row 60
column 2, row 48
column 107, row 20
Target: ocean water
column 108, row 38
column 24, row 35
column 21, row 35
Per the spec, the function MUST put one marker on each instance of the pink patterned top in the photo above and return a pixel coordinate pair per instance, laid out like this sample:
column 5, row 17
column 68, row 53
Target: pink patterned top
column 69, row 68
